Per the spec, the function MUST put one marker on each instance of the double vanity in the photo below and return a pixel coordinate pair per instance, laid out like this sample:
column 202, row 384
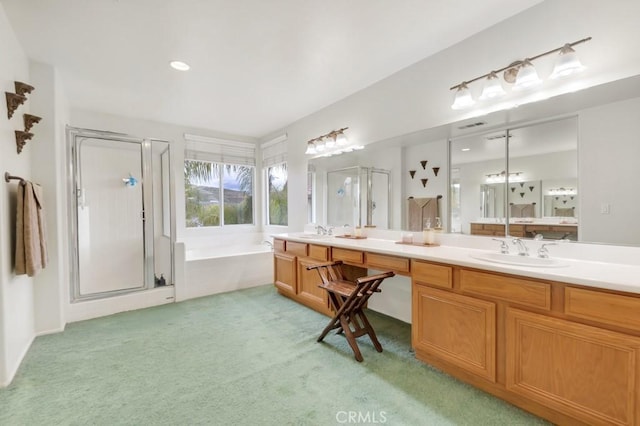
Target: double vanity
column 557, row 336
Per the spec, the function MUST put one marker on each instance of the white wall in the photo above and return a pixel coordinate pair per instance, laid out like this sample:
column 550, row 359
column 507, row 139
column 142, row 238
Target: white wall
column 16, row 292
column 609, row 154
column 47, row 156
column 418, row 97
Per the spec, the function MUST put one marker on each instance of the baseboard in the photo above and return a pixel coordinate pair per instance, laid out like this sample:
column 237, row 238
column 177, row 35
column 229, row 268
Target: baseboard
column 52, row 331
column 13, row 371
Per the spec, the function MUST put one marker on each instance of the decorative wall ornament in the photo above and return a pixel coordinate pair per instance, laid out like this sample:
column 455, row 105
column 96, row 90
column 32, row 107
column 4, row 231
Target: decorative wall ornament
column 424, row 164
column 513, row 189
column 22, row 138
column 23, row 88
column 436, row 170
column 424, row 182
column 30, row 120
column 531, row 188
column 14, row 100
column 412, row 173
column 522, row 195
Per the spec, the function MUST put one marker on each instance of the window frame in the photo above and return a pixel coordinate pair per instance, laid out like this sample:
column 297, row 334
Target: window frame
column 220, row 178
column 267, row 198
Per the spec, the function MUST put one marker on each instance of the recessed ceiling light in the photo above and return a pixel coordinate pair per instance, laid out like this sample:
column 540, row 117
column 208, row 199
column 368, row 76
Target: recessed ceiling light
column 179, row 65
column 465, row 149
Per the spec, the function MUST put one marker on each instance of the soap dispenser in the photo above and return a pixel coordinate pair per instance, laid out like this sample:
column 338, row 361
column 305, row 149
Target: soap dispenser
column 427, row 233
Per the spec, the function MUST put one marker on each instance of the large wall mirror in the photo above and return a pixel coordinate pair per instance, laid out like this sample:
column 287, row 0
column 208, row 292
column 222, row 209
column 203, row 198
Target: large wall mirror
column 563, row 168
column 520, row 181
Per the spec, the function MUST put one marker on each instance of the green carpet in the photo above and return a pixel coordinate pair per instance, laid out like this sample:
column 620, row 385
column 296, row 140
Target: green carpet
column 243, row 358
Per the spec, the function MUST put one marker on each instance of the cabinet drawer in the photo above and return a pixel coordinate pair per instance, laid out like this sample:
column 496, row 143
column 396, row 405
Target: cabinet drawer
column 428, row 273
column 319, row 252
column 393, row 263
column 614, row 309
column 347, row 256
column 511, row 289
column 278, row 246
column 297, row 249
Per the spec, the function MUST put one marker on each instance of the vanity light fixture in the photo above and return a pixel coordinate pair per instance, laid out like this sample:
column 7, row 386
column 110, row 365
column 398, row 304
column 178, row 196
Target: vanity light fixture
column 334, row 142
column 501, row 177
column 179, row 65
column 522, row 74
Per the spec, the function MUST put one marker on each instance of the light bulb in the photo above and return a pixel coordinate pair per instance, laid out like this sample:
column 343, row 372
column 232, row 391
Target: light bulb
column 492, row 87
column 567, row 63
column 527, row 76
column 463, row 98
column 311, row 148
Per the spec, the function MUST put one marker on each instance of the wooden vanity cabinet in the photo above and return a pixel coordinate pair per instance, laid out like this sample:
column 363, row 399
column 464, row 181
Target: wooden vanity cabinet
column 284, row 269
column 309, row 293
column 586, row 372
column 458, row 329
column 557, row 350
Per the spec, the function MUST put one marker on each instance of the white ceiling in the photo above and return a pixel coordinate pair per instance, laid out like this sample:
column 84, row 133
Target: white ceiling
column 256, row 65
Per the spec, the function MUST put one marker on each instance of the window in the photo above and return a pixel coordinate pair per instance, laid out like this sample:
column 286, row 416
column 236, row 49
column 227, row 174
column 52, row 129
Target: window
column 277, row 194
column 274, row 162
column 217, row 194
column 218, row 182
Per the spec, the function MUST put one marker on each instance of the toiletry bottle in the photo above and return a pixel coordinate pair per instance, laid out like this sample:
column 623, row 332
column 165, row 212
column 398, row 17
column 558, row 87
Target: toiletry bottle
column 427, row 233
column 437, row 230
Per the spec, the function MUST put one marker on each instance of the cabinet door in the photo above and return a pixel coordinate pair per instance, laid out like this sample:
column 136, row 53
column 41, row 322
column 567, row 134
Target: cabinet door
column 586, row 372
column 308, row 291
column 285, row 272
column 457, row 329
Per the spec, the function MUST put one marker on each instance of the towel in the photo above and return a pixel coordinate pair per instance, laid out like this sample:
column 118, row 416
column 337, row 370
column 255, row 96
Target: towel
column 31, row 233
column 421, row 209
column 523, row 210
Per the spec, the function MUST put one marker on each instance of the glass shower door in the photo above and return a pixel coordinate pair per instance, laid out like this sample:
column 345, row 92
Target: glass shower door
column 110, row 217
column 343, row 197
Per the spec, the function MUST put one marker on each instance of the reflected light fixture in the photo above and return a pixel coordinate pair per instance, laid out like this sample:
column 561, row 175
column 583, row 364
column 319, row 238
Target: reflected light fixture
column 334, row 142
column 522, row 74
column 179, row 65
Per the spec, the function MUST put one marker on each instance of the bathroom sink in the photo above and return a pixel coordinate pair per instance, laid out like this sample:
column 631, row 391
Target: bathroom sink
column 312, row 236
column 512, row 259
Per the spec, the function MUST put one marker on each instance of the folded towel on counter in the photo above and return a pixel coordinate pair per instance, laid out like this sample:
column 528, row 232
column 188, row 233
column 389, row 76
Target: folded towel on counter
column 31, row 233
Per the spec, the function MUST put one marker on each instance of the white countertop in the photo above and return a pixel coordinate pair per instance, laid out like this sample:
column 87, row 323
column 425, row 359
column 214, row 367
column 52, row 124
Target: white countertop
column 590, row 273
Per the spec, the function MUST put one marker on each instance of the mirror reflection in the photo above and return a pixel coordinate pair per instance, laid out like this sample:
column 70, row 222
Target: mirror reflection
column 499, row 197
column 560, row 168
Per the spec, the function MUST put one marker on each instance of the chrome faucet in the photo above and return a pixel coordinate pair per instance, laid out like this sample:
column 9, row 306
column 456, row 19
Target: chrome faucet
column 523, row 250
column 543, row 251
column 504, row 247
column 324, row 231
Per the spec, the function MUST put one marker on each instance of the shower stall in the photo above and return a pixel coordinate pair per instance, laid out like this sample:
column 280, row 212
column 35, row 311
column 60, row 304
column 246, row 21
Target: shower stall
column 121, row 214
column 359, row 196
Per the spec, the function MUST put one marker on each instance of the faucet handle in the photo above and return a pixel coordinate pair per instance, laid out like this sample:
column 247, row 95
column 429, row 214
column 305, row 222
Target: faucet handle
column 543, row 251
column 504, row 247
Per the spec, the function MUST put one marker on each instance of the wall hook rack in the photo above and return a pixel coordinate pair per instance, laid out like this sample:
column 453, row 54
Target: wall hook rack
column 22, row 138
column 30, row 121
column 14, row 100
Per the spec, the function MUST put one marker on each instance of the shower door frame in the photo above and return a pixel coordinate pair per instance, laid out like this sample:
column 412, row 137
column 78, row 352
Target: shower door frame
column 364, row 189
column 74, row 136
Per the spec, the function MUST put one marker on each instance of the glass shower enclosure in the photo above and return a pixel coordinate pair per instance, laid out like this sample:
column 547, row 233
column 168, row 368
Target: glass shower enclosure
column 120, row 214
column 358, row 196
